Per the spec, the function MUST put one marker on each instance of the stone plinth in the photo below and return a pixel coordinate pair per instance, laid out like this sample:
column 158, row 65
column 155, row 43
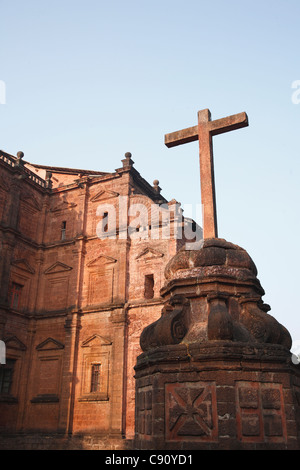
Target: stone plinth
column 217, row 396
column 216, row 371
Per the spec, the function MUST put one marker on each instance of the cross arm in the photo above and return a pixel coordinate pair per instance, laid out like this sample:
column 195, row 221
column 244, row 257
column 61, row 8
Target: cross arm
column 219, row 126
column 181, row 137
column 230, row 123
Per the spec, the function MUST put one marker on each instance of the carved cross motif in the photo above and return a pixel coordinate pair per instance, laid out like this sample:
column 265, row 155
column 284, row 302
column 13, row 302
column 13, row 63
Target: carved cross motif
column 191, row 411
column 204, row 132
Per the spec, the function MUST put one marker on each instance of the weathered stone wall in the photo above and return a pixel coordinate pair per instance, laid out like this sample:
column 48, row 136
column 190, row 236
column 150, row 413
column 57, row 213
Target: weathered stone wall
column 82, row 302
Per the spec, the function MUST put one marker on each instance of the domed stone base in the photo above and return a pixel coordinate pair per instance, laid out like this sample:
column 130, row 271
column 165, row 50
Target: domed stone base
column 217, row 395
column 213, row 294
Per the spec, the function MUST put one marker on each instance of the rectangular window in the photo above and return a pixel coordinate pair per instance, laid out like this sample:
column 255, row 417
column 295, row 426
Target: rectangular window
column 63, row 230
column 105, row 222
column 149, row 286
column 6, row 376
column 14, row 295
column 95, row 378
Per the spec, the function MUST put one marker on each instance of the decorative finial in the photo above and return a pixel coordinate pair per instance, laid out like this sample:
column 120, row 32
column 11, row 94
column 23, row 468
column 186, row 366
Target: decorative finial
column 48, row 179
column 156, row 186
column 127, row 161
column 18, row 161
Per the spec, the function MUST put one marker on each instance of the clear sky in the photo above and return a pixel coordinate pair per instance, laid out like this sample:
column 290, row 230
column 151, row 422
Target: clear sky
column 87, row 81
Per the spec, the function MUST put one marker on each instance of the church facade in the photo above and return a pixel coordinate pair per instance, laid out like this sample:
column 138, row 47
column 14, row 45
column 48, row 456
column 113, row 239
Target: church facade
column 83, row 255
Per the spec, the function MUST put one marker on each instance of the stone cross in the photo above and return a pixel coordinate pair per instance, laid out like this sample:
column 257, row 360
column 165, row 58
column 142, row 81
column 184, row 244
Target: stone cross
column 204, row 132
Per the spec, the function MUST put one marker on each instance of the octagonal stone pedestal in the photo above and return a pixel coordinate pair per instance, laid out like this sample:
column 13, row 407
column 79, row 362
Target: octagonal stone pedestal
column 216, row 369
column 217, row 395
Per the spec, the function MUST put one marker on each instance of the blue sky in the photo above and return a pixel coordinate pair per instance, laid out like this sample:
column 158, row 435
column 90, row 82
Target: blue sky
column 87, row 81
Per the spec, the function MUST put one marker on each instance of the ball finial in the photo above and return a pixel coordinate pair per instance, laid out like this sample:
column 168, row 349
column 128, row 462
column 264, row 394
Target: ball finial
column 127, row 162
